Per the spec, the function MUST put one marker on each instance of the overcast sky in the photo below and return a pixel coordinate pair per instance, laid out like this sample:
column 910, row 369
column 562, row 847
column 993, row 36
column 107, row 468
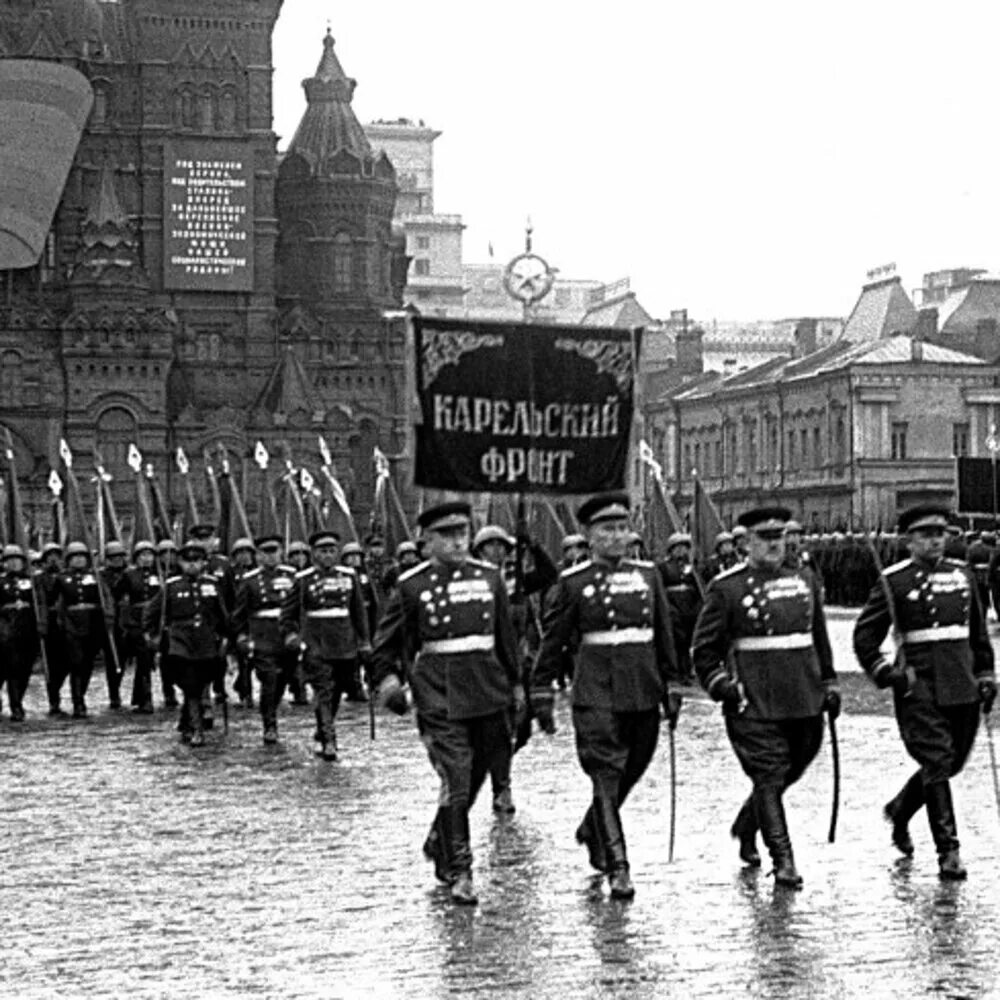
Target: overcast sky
column 741, row 159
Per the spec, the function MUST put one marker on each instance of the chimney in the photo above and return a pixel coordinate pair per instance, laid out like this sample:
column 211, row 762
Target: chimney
column 986, row 345
column 805, row 337
column 690, row 350
column 916, row 349
column 728, row 367
column 927, row 325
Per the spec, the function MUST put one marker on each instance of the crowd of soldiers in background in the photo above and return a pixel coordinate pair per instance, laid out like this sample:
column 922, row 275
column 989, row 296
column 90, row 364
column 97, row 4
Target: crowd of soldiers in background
column 74, row 617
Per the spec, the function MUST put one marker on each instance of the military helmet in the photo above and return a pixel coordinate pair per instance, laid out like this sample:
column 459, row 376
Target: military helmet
column 143, row 545
column 721, row 537
column 351, row 549
column 574, row 541
column 242, row 544
column 297, row 546
column 166, row 545
column 77, row 549
column 405, row 547
column 492, row 533
column 51, row 547
column 13, row 552
column 114, row 548
column 678, row 538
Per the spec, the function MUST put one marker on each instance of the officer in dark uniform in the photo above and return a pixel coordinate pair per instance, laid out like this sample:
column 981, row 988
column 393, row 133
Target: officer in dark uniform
column 51, row 634
column 684, row 598
column 219, row 566
column 137, row 586
column 243, row 559
column 945, row 674
column 115, row 559
column 323, row 616
column 614, row 612
column 166, row 565
column 353, row 556
column 761, row 648
column 191, row 624
column 80, row 617
column 18, row 628
column 448, row 629
column 495, row 545
column 299, row 558
column 259, row 597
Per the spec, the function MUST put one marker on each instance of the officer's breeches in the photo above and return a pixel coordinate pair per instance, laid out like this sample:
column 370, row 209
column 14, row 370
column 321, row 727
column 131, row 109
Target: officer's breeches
column 775, row 752
column 274, row 672
column 15, row 670
column 615, row 748
column 939, row 738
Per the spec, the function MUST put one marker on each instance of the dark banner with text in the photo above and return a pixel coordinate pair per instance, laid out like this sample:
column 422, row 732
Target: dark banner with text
column 523, row 408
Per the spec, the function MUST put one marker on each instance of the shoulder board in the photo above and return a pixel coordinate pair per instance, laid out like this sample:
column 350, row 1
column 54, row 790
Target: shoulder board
column 413, row 571
column 647, row 563
column 955, row 562
column 732, row 571
column 572, row 570
column 285, row 568
column 482, row 563
column 251, row 572
column 174, row 579
column 347, row 569
column 308, row 571
column 896, row 567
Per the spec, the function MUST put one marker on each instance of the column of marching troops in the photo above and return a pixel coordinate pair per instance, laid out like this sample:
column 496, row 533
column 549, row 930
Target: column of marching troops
column 476, row 633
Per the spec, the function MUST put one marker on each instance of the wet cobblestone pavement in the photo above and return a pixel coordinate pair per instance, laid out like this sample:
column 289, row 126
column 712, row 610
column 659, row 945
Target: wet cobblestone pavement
column 134, row 866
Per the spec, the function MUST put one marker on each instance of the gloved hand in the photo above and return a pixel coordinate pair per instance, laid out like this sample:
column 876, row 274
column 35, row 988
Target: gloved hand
column 987, row 693
column 729, row 693
column 831, row 703
column 292, row 641
column 392, row 695
column 893, row 677
column 520, row 705
column 672, row 708
column 152, row 643
column 543, row 703
column 244, row 644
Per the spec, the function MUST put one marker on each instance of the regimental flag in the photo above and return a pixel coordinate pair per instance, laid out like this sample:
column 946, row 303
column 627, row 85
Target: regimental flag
column 523, row 408
column 707, row 524
column 662, row 518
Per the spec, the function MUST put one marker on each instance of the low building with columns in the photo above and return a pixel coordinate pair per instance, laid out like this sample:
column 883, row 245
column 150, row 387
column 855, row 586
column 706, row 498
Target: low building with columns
column 846, row 435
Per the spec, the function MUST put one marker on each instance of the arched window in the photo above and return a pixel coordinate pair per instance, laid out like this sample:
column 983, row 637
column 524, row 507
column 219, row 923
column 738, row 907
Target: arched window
column 227, row 111
column 10, row 379
column 343, row 263
column 206, row 111
column 116, row 429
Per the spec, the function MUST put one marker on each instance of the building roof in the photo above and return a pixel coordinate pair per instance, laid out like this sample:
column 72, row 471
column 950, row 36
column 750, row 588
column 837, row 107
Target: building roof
column 967, row 306
column 287, row 389
column 621, row 311
column 329, row 125
column 882, row 310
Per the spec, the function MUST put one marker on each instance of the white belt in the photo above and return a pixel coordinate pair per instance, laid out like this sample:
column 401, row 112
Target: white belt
column 328, row 613
column 461, row 644
column 793, row 640
column 268, row 613
column 616, row 637
column 944, row 633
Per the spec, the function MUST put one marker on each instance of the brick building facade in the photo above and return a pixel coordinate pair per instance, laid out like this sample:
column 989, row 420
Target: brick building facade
column 196, row 288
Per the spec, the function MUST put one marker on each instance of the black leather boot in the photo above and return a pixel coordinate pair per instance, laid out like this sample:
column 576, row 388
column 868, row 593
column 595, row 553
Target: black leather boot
column 744, row 829
column 900, row 810
column 462, row 891
column 587, row 835
column 437, row 847
column 941, row 816
column 612, row 841
column 771, row 816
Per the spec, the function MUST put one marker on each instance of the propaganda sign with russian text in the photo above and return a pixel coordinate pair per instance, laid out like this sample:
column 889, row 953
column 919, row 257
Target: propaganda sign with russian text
column 523, row 408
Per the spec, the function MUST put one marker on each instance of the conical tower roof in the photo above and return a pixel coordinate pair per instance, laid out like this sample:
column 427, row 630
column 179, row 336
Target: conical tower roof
column 287, row 389
column 329, row 125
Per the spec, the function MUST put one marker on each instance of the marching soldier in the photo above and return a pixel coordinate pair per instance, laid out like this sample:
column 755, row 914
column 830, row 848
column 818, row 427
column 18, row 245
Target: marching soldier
column 761, row 649
column 166, row 564
column 259, row 597
column 722, row 558
column 242, row 557
column 299, row 559
column 323, row 616
column 574, row 550
column 48, row 628
column 494, row 545
column 741, row 542
column 18, row 628
column 80, row 618
column 684, row 598
column 353, row 556
column 189, row 622
column 978, row 556
column 136, row 587
column 298, row 555
column 111, row 573
column 614, row 611
column 448, row 629
column 407, row 556
column 796, row 555
column 942, row 678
